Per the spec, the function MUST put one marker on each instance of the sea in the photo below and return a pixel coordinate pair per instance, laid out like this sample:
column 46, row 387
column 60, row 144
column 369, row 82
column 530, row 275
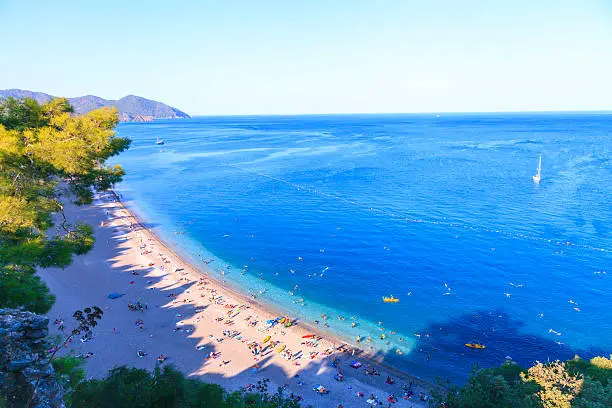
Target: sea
column 321, row 216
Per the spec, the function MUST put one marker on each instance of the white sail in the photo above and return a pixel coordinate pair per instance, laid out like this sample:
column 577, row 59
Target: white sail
column 538, row 176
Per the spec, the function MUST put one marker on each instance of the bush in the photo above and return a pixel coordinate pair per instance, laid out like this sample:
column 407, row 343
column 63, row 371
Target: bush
column 594, row 395
column 136, row 388
column 21, row 287
column 576, row 383
column 598, row 369
column 500, row 387
column 70, row 373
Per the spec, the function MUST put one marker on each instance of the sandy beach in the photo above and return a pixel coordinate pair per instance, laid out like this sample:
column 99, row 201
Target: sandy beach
column 161, row 310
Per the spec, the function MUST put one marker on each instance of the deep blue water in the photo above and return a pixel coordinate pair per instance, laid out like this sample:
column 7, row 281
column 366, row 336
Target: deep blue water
column 439, row 212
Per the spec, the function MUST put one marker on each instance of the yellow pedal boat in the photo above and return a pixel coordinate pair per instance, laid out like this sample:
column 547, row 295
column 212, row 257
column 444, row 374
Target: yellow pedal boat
column 390, row 299
column 475, row 346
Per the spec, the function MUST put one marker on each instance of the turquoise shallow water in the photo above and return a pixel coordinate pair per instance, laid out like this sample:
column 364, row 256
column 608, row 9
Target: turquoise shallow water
column 327, row 214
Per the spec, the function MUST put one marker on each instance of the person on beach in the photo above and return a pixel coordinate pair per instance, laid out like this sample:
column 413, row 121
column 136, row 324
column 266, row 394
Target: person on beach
column 339, row 376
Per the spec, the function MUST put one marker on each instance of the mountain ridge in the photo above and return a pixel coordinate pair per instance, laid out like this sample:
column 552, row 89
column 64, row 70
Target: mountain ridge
column 132, row 108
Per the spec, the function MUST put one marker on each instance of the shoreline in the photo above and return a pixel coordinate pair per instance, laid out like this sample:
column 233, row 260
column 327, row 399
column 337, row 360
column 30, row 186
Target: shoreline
column 146, row 268
column 363, row 354
column 224, row 285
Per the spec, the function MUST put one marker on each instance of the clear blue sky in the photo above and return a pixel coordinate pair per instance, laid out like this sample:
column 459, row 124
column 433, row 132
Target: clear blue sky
column 310, row 56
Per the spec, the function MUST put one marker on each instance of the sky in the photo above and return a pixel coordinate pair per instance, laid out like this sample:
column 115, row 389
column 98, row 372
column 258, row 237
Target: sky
column 230, row 57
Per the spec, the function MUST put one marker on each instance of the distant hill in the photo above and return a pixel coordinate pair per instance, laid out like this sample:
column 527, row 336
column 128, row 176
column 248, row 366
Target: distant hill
column 131, row 108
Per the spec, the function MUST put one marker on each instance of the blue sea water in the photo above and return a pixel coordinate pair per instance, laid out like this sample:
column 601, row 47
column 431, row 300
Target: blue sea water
column 328, row 213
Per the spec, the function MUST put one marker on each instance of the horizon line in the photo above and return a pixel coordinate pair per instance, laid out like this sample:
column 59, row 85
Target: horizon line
column 561, row 111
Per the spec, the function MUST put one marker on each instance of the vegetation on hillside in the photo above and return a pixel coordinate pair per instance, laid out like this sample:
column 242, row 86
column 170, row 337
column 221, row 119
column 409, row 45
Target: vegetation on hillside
column 130, row 107
column 167, row 387
column 40, row 146
column 575, row 383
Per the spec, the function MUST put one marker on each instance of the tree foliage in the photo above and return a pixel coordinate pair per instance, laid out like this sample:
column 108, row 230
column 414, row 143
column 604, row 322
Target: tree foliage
column 559, row 387
column 167, row 387
column 594, row 395
column 576, row 383
column 41, row 146
column 598, row 369
column 69, row 372
column 602, row 362
column 500, row 387
column 19, row 287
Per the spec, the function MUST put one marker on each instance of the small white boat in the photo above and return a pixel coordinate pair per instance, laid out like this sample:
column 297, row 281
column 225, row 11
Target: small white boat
column 538, row 176
column 159, row 141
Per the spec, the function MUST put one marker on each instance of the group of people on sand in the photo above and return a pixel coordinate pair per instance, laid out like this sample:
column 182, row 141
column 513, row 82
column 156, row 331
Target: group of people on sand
column 229, row 320
column 138, row 306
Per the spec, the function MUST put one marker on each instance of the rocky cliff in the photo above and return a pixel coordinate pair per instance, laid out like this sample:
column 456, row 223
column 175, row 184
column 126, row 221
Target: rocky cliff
column 131, row 108
column 24, row 359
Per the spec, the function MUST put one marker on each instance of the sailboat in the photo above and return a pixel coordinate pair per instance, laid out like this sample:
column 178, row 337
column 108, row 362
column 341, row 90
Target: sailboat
column 159, row 141
column 538, row 177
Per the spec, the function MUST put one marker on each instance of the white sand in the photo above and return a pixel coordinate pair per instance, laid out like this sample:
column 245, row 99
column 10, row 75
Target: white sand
column 132, row 261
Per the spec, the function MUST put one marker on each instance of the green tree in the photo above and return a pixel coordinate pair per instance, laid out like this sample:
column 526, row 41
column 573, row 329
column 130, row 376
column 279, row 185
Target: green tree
column 500, row 387
column 136, row 388
column 21, row 114
column 596, row 390
column 69, row 372
column 597, row 369
column 594, row 395
column 123, row 387
column 43, row 148
column 576, row 383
